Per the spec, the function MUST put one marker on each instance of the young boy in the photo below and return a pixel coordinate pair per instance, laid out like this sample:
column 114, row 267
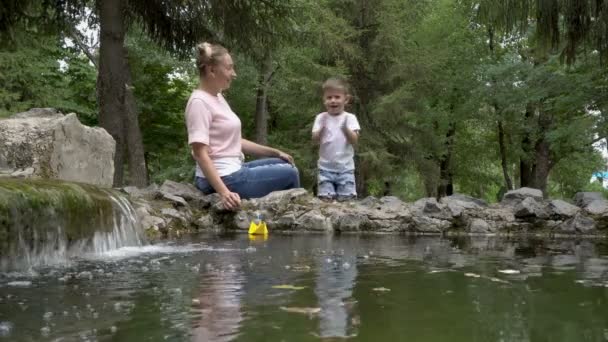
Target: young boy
column 336, row 131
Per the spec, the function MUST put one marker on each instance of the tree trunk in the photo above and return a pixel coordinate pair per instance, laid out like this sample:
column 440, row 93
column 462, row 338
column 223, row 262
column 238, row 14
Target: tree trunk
column 542, row 153
column 138, row 172
column 525, row 162
column 446, row 185
column 361, row 176
column 111, row 79
column 261, row 104
column 361, row 81
column 430, row 183
column 503, row 156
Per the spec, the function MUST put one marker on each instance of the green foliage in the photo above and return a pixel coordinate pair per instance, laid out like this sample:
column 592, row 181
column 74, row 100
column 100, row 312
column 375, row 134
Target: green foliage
column 572, row 174
column 162, row 86
column 427, row 89
column 32, row 76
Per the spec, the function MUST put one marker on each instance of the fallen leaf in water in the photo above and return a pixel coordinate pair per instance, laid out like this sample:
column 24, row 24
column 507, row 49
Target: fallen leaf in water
column 333, row 337
column 288, row 287
column 381, row 289
column 473, row 275
column 437, row 271
column 498, row 280
column 509, row 271
column 307, row 311
column 300, row 268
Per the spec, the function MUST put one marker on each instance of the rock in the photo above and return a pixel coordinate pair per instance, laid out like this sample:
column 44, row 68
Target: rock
column 242, row 220
column 150, row 193
column 278, row 201
column 286, row 221
column 314, row 220
column 579, row 223
column 204, row 222
column 351, row 222
column 369, row 201
column 497, row 215
column 430, row 207
column 582, row 199
column 424, row 224
column 153, row 222
column 142, row 209
column 395, row 209
column 175, row 199
column 46, row 144
column 514, row 197
column 173, row 214
column 458, row 204
column 185, row 191
column 479, row 226
column 427, row 205
column 465, row 201
column 529, row 207
column 597, row 207
column 562, row 209
column 390, row 203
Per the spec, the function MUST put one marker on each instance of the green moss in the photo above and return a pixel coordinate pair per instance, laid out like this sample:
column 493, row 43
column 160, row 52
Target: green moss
column 153, row 234
column 31, row 208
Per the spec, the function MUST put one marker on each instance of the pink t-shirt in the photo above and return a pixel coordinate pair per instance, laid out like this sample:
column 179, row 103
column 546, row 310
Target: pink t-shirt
column 210, row 121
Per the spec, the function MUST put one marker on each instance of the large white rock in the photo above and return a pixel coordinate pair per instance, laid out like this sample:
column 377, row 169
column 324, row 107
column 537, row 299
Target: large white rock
column 47, row 144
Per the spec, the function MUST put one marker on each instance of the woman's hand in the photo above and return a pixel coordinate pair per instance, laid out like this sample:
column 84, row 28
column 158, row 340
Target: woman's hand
column 286, row 157
column 230, row 200
column 249, row 147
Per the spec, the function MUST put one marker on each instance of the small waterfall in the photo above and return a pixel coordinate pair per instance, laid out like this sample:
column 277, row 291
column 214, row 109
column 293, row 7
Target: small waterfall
column 45, row 222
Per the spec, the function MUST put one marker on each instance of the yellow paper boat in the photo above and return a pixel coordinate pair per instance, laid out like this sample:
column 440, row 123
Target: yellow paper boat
column 258, row 228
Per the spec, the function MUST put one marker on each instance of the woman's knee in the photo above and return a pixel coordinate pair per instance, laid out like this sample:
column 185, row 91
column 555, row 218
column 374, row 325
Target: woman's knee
column 294, row 176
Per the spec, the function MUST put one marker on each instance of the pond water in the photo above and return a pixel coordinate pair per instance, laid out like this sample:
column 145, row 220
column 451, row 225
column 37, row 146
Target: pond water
column 317, row 287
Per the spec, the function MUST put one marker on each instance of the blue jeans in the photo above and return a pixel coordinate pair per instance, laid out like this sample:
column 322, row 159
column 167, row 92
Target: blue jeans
column 340, row 185
column 257, row 178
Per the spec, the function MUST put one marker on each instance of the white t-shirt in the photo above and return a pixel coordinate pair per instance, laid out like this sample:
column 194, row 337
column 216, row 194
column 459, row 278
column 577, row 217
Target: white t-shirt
column 336, row 153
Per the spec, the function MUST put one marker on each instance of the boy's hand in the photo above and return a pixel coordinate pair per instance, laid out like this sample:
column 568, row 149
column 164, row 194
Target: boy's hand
column 351, row 136
column 319, row 134
column 344, row 126
column 323, row 122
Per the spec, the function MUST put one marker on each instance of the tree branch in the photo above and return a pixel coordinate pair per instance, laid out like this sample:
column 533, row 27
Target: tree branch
column 74, row 34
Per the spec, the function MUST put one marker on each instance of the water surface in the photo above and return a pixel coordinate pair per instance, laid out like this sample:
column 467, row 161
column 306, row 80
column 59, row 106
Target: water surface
column 317, row 287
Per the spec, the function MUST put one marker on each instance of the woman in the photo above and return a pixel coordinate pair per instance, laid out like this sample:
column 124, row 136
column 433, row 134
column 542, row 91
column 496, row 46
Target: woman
column 214, row 133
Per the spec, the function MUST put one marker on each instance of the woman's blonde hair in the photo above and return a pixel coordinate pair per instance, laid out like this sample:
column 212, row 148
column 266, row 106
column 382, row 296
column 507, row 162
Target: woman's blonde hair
column 208, row 54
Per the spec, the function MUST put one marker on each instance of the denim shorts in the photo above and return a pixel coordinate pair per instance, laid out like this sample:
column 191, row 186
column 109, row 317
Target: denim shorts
column 340, row 185
column 257, row 178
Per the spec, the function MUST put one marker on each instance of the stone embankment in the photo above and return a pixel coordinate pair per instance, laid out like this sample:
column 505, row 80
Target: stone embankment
column 174, row 208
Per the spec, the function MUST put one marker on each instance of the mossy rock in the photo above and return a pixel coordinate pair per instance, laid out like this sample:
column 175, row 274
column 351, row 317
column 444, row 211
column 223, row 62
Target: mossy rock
column 32, row 211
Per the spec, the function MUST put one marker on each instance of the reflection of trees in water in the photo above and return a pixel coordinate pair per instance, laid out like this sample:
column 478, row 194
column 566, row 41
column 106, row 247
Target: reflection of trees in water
column 545, row 302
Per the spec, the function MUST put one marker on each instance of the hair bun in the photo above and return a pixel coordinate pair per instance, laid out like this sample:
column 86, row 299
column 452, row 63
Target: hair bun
column 205, row 49
column 208, row 54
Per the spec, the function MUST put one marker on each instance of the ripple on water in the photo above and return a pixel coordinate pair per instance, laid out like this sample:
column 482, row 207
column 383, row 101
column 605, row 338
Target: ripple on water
column 22, row 283
column 5, row 328
column 132, row 251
